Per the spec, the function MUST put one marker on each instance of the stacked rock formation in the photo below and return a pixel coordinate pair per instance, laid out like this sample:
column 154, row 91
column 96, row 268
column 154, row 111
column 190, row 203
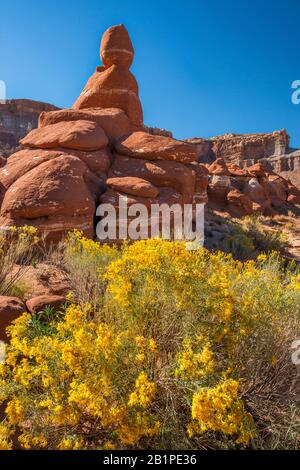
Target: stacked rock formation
column 99, row 151
column 113, row 85
column 246, row 191
column 156, row 169
column 95, row 152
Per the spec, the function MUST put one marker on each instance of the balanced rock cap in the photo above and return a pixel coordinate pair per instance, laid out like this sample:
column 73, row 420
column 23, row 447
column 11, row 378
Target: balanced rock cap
column 116, row 47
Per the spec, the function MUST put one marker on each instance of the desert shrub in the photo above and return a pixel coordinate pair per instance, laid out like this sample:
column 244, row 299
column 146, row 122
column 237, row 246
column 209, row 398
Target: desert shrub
column 265, row 240
column 249, row 236
column 85, row 261
column 239, row 243
column 187, row 349
column 16, row 247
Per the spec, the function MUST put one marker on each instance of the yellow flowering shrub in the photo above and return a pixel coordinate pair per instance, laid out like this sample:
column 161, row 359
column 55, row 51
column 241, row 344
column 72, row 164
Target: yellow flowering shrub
column 171, row 353
column 78, row 377
column 219, row 409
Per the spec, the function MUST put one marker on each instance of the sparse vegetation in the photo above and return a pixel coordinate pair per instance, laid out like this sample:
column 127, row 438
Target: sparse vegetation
column 252, row 235
column 265, row 240
column 238, row 242
column 16, row 248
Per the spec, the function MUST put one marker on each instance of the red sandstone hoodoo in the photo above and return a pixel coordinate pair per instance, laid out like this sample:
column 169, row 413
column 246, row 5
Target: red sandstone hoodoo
column 100, row 149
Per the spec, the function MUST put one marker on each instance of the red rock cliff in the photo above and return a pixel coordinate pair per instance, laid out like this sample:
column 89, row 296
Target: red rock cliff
column 17, row 118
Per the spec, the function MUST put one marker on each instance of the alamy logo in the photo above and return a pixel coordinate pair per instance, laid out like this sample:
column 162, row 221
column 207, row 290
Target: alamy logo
column 296, row 94
column 2, row 92
column 138, row 221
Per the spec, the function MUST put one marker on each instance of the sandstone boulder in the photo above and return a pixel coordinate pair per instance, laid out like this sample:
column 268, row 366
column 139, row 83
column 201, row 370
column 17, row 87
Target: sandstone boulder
column 116, row 47
column 44, row 279
column 234, row 170
column 219, row 168
column 239, row 204
column 160, row 173
column 38, row 304
column 10, row 309
column 113, row 121
column 258, row 169
column 23, row 161
column 53, row 197
column 258, row 194
column 98, row 162
column 133, row 185
column 114, row 87
column 293, row 194
column 78, row 135
column 217, row 190
column 155, row 147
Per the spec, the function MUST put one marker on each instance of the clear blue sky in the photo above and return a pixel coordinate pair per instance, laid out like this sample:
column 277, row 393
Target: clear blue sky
column 204, row 67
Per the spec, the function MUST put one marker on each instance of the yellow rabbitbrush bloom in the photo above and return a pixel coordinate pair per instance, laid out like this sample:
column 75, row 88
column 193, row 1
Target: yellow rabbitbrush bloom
column 144, row 392
column 32, row 442
column 219, row 409
column 295, row 283
column 73, row 376
column 176, row 338
column 5, row 437
column 15, row 411
column 194, row 365
column 71, row 443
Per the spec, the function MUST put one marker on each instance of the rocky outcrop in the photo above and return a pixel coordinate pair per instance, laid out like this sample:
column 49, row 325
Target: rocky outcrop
column 17, row 118
column 243, row 192
column 150, row 147
column 235, row 148
column 38, row 304
column 113, row 85
column 243, row 150
column 10, row 309
column 162, row 174
column 288, row 166
column 113, row 121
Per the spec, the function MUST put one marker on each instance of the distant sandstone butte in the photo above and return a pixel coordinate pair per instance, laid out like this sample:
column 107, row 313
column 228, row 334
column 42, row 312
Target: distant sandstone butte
column 17, row 118
column 271, row 149
column 100, row 151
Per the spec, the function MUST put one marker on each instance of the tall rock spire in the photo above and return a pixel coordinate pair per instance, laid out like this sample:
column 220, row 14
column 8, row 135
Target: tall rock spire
column 113, row 85
column 116, row 47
